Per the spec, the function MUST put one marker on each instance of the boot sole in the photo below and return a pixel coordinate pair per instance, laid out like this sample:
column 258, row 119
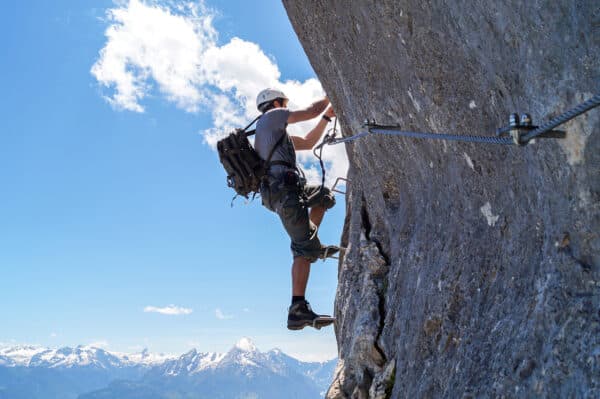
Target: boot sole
column 317, row 323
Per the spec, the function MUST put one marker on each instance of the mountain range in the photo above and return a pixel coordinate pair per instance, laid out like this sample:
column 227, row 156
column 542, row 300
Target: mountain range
column 86, row 372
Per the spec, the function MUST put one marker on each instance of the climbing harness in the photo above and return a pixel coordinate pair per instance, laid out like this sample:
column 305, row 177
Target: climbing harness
column 520, row 130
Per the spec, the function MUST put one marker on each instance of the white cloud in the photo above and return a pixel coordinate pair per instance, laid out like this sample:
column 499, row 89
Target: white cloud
column 222, row 316
column 151, row 43
column 170, row 310
column 103, row 344
column 170, row 48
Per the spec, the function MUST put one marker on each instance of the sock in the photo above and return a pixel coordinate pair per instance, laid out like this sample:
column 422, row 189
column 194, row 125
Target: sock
column 297, row 299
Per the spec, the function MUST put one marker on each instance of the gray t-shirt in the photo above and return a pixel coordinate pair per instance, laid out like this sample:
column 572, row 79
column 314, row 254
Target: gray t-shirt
column 269, row 129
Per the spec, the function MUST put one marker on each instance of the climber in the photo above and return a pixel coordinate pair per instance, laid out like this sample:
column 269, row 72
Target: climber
column 300, row 207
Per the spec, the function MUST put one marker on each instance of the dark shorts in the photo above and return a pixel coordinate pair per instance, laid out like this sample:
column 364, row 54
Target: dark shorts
column 292, row 202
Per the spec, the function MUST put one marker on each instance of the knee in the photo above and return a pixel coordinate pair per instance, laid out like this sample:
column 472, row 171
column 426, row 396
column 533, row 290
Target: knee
column 328, row 201
column 302, row 261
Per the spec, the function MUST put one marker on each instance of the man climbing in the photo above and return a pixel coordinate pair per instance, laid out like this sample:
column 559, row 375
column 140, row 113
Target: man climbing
column 300, row 207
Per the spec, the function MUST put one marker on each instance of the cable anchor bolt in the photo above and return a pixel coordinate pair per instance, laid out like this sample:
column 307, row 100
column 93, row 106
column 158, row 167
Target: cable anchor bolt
column 519, row 126
column 368, row 123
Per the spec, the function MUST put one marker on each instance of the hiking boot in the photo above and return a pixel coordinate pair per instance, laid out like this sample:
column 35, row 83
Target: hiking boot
column 301, row 315
column 329, row 251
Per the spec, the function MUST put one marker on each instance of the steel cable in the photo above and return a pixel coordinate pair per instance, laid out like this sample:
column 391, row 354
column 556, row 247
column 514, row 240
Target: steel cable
column 391, row 130
column 373, row 128
column 564, row 117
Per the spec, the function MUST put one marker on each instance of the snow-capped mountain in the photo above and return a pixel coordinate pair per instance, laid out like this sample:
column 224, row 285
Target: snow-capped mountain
column 244, row 371
column 143, row 358
column 6, row 361
column 192, row 362
column 18, row 355
column 86, row 372
column 80, row 356
column 244, row 357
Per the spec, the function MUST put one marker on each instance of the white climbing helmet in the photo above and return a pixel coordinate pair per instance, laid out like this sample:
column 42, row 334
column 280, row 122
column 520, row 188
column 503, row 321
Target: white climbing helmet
column 268, row 95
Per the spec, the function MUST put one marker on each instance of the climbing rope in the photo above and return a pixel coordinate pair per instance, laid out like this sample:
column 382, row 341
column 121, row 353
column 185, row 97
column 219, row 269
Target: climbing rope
column 521, row 134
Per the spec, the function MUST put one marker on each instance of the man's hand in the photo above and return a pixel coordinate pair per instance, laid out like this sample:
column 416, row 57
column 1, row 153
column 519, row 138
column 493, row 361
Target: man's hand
column 330, row 113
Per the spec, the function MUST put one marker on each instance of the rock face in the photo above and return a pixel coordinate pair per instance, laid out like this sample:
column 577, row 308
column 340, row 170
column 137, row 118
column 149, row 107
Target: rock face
column 472, row 270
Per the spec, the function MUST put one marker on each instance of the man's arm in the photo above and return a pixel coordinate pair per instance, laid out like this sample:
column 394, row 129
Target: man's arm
column 310, row 140
column 311, row 112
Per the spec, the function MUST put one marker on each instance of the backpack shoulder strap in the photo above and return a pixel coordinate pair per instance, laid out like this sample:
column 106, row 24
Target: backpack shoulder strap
column 277, row 144
column 251, row 132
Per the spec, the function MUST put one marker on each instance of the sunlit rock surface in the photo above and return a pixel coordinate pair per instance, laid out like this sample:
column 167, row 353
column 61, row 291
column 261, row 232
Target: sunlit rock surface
column 472, row 270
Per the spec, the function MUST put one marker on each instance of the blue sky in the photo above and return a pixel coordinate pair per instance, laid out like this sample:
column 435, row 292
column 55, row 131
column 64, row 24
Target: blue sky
column 107, row 210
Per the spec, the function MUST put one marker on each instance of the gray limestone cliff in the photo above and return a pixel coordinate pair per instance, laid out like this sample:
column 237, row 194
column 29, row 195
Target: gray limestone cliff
column 472, row 270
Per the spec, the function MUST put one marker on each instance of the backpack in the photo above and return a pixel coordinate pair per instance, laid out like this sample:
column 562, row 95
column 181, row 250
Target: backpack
column 245, row 168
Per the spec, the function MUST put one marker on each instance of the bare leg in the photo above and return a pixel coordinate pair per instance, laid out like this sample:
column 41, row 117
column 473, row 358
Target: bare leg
column 301, row 265
column 300, row 273
column 316, row 214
